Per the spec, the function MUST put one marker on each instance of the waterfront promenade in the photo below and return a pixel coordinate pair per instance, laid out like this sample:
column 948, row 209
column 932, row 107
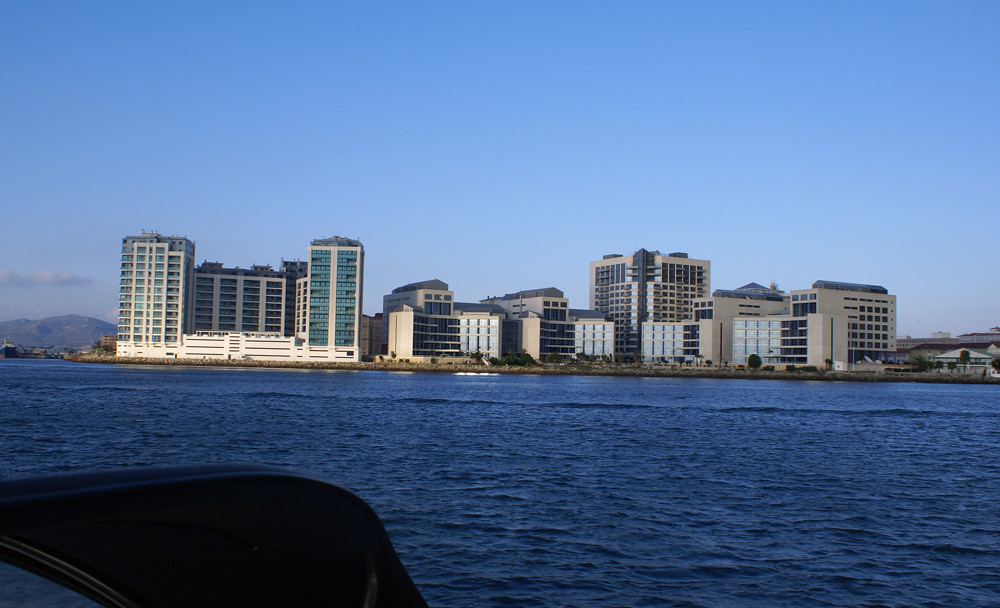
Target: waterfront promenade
column 563, row 369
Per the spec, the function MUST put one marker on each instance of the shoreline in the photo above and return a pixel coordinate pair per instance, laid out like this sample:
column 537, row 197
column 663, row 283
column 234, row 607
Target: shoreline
column 564, row 369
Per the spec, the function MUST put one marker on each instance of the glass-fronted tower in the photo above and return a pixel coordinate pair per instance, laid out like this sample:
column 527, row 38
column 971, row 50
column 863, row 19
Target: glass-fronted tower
column 330, row 298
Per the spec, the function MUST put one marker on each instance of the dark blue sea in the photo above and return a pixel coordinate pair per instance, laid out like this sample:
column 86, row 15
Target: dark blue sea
column 579, row 491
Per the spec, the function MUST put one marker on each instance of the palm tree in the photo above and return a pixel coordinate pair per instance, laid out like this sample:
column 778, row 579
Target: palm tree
column 964, row 358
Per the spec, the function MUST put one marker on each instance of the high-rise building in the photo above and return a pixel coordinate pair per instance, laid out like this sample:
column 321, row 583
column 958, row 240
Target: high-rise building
column 156, row 295
column 293, row 271
column 646, row 287
column 239, row 299
column 330, row 299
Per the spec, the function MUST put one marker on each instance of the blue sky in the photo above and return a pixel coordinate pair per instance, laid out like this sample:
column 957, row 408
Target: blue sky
column 502, row 146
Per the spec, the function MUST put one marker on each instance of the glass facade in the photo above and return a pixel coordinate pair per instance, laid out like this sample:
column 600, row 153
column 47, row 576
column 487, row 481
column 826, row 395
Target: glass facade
column 345, row 320
column 319, row 297
column 594, row 339
column 479, row 335
column 670, row 343
column 762, row 338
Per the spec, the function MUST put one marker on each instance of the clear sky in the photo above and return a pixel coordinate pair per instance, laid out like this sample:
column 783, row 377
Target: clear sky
column 501, row 146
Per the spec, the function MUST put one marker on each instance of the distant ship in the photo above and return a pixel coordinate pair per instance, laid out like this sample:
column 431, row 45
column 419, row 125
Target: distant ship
column 8, row 350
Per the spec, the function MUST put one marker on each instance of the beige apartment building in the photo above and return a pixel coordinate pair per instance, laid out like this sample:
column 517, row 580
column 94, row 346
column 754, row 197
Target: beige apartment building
column 646, row 287
column 540, row 323
column 848, row 324
column 536, row 321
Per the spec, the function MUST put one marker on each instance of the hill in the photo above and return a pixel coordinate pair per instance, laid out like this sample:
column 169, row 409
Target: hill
column 67, row 331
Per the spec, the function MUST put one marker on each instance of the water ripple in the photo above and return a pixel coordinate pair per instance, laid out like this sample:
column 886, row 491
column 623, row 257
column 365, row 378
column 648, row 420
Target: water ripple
column 576, row 491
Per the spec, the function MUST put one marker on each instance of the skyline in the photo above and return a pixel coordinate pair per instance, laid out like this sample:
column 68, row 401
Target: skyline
column 503, row 148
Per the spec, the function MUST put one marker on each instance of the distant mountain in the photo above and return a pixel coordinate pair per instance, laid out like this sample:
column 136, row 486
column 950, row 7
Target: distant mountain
column 67, row 331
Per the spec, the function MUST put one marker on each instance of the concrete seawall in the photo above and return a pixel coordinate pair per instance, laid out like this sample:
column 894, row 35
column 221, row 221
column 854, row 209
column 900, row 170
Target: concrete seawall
column 567, row 369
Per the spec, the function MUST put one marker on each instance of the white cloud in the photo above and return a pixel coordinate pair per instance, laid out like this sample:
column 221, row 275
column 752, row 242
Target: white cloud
column 42, row 277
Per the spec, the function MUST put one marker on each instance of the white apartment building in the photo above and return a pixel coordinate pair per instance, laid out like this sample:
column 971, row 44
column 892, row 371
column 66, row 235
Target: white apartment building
column 646, row 287
column 239, row 313
column 155, row 295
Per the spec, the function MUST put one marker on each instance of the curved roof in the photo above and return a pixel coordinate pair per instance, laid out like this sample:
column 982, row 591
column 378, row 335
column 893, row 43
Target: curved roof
column 849, row 287
column 429, row 284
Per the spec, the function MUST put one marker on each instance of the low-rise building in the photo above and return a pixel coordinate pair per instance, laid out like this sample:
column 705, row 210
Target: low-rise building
column 479, row 327
column 714, row 316
column 538, row 322
column 905, row 343
column 593, row 335
column 985, row 337
column 842, row 324
column 431, row 296
column 670, row 342
column 979, row 359
column 541, row 317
